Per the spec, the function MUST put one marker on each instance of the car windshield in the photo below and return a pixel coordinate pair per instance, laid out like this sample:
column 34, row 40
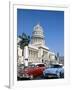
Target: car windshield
column 55, row 66
column 32, row 65
column 38, row 65
column 41, row 65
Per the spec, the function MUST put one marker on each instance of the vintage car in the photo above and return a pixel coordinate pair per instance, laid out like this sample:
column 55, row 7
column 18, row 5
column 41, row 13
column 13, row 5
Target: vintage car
column 54, row 70
column 33, row 70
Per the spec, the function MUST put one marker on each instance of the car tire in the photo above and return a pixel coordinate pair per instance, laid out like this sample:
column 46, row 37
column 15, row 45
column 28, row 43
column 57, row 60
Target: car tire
column 61, row 75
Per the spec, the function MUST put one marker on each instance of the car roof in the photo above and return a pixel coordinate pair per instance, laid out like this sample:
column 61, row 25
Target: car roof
column 37, row 63
column 57, row 64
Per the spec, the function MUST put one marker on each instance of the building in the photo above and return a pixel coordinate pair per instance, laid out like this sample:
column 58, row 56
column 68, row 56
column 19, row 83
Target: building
column 38, row 51
column 61, row 60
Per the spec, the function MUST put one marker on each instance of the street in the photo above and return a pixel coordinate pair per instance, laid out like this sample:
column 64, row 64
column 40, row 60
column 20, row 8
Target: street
column 39, row 78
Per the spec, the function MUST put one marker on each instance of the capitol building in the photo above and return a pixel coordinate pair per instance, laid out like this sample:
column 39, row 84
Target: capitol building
column 38, row 51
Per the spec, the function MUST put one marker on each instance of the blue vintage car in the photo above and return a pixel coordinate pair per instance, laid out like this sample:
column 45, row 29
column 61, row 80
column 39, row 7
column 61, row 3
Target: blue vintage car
column 54, row 70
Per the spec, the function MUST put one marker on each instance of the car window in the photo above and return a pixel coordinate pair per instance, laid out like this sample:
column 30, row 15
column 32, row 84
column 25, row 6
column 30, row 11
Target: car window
column 40, row 65
column 55, row 66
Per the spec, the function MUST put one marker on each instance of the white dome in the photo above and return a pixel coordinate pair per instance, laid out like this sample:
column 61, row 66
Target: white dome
column 38, row 31
column 37, row 35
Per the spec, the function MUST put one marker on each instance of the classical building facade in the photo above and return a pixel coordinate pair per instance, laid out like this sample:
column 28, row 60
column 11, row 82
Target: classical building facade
column 38, row 51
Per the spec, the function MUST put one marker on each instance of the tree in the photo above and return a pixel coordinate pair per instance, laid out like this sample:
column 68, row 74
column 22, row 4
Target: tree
column 24, row 46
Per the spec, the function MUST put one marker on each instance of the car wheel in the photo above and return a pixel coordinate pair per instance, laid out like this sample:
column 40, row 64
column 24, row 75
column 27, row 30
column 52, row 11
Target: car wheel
column 61, row 75
column 58, row 74
column 31, row 77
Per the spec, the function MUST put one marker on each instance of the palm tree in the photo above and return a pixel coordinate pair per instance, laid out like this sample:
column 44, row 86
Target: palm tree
column 24, row 46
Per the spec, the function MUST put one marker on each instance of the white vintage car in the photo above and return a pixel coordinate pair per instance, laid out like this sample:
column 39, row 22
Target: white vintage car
column 54, row 70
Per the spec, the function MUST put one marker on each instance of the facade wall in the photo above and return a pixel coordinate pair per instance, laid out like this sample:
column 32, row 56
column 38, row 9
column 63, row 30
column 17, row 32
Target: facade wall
column 33, row 55
column 19, row 56
column 40, row 55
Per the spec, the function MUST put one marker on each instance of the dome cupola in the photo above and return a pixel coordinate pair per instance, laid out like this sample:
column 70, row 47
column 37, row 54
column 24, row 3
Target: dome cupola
column 37, row 35
column 38, row 31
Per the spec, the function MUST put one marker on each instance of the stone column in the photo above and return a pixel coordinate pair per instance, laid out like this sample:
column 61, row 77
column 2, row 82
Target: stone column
column 26, row 54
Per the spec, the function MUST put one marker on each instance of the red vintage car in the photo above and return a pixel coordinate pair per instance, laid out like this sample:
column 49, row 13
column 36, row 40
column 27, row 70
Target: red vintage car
column 33, row 70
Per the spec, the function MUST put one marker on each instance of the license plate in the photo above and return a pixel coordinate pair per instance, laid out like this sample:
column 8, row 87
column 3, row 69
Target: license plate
column 49, row 76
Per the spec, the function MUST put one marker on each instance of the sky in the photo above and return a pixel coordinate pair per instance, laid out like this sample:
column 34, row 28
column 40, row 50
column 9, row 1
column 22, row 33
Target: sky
column 52, row 22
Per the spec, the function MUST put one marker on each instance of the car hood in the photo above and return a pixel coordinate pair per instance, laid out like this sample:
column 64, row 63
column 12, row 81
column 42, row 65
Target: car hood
column 27, row 69
column 50, row 70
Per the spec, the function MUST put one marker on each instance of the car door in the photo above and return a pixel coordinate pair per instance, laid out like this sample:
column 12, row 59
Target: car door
column 40, row 69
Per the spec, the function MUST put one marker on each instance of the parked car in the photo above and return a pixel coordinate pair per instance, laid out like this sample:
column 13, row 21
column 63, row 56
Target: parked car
column 54, row 70
column 19, row 68
column 33, row 70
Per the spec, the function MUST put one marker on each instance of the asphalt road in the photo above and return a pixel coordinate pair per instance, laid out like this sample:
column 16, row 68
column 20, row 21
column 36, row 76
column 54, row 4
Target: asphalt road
column 38, row 78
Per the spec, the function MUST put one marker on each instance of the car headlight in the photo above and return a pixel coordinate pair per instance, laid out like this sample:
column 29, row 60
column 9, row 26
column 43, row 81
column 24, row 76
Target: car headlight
column 56, row 71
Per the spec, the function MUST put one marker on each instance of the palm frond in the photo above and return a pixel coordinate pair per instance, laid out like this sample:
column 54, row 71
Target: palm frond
column 24, row 40
column 20, row 37
column 24, row 35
